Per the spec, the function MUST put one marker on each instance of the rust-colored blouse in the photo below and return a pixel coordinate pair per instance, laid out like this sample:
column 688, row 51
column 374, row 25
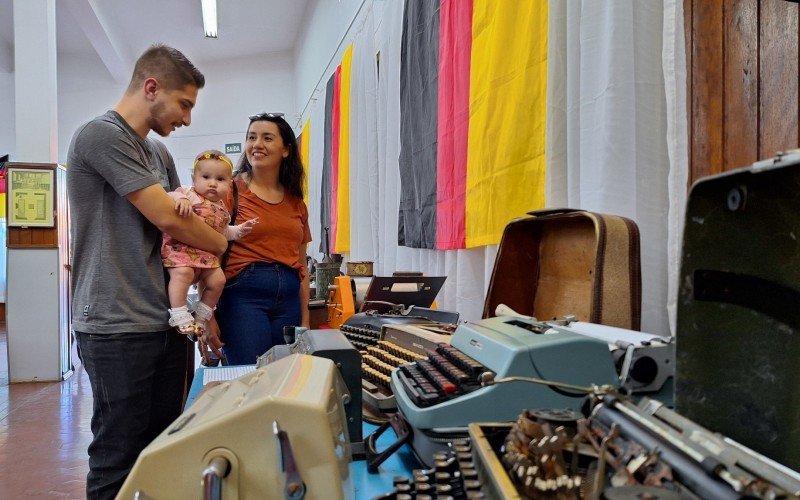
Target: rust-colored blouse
column 281, row 229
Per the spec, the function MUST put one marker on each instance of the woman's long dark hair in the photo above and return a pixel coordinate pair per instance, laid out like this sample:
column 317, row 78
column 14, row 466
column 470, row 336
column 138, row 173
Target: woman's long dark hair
column 291, row 174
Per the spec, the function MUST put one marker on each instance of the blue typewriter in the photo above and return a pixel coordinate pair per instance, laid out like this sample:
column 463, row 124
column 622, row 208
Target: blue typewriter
column 439, row 396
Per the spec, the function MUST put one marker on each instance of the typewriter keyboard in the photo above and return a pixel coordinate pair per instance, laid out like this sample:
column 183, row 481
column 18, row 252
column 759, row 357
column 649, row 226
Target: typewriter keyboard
column 453, row 476
column 361, row 338
column 379, row 361
column 445, row 374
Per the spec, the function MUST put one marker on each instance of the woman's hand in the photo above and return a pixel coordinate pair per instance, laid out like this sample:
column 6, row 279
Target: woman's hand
column 211, row 339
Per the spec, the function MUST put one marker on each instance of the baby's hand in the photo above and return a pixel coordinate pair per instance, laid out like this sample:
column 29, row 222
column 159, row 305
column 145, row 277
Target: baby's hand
column 246, row 227
column 240, row 230
column 183, row 206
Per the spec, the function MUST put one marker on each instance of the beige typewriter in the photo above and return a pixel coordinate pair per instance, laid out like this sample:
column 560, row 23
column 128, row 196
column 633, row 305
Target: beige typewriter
column 277, row 432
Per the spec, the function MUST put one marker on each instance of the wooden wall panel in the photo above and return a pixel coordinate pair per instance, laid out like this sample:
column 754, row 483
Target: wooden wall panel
column 32, row 237
column 778, row 77
column 688, row 39
column 740, row 117
column 706, row 79
column 743, row 89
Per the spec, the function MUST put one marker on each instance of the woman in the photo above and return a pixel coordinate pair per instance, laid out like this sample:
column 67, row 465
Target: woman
column 267, row 281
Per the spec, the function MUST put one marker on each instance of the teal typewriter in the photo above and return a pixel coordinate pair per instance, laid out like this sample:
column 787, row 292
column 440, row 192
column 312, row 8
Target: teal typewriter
column 478, row 375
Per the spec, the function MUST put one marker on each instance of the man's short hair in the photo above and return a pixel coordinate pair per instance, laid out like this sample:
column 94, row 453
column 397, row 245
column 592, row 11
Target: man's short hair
column 169, row 66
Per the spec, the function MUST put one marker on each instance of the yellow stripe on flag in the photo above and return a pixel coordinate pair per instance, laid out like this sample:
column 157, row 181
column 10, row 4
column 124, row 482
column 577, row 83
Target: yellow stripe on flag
column 304, row 152
column 505, row 158
column 343, row 195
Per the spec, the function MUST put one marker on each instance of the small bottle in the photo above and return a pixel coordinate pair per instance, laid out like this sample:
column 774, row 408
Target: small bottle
column 210, row 358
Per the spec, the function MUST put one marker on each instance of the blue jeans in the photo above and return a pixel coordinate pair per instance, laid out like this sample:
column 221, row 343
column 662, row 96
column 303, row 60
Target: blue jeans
column 138, row 382
column 255, row 306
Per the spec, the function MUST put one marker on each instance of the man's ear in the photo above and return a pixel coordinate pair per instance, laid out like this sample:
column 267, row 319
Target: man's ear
column 151, row 88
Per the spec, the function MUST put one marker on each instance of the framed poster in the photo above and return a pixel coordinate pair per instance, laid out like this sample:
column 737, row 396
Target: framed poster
column 30, row 197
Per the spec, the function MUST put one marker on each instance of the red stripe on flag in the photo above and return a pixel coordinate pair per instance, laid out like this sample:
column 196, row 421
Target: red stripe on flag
column 455, row 50
column 337, row 88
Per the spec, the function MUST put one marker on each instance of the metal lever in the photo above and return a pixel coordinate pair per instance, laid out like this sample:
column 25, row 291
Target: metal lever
column 213, row 476
column 504, row 310
column 295, row 487
column 487, row 379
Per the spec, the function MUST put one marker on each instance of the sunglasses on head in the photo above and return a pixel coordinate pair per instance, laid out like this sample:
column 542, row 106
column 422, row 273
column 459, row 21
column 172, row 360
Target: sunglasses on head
column 261, row 116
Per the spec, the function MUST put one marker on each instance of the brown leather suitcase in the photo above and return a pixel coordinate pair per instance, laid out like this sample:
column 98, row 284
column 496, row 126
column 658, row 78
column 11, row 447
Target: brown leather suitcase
column 562, row 262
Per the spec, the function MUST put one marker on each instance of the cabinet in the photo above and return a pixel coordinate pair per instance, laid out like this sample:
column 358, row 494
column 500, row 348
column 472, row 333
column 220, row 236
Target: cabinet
column 38, row 274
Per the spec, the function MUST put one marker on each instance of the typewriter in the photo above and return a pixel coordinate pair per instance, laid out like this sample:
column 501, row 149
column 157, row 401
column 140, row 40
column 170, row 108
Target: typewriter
column 330, row 344
column 619, row 449
column 395, row 300
column 363, row 330
column 277, row 432
column 440, row 395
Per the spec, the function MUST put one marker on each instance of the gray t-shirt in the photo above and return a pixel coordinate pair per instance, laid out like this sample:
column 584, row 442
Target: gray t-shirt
column 117, row 276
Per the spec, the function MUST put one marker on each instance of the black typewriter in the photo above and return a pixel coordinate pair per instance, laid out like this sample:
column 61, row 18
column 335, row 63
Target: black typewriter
column 617, row 450
column 399, row 344
column 444, row 374
column 363, row 330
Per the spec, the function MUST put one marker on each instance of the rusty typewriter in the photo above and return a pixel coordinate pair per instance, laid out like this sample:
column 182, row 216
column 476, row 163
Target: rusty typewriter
column 614, row 449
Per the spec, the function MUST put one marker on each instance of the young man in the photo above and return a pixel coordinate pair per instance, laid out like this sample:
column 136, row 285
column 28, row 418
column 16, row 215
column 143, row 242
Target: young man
column 117, row 182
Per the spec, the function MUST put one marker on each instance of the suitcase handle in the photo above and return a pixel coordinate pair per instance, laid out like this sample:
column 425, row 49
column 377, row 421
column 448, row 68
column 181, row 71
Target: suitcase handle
column 554, row 211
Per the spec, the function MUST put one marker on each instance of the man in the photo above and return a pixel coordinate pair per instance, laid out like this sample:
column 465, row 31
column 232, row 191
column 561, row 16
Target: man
column 119, row 207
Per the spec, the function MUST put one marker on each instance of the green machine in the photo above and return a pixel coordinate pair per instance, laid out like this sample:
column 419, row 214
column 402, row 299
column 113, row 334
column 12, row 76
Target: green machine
column 738, row 328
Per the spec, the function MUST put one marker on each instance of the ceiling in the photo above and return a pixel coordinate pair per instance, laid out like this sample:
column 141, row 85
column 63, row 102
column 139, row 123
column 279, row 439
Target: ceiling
column 116, row 31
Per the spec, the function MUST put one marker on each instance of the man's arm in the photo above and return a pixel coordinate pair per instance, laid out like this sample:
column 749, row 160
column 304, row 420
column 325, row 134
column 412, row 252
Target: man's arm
column 157, row 207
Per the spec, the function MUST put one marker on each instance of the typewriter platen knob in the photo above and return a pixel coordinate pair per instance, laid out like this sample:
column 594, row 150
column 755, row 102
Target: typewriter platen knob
column 644, row 369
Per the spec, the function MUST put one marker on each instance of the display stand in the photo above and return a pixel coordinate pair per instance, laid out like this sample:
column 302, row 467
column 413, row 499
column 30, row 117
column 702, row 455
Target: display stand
column 38, row 274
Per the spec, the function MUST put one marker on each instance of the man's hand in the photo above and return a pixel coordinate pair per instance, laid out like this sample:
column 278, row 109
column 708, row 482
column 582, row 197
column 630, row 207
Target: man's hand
column 183, row 206
column 157, row 207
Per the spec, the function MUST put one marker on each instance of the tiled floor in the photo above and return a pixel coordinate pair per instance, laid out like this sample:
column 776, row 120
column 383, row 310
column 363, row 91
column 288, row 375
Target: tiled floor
column 44, row 433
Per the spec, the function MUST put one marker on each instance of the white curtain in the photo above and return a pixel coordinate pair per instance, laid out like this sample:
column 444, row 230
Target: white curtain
column 674, row 63
column 364, row 143
column 316, row 151
column 607, row 124
column 616, row 142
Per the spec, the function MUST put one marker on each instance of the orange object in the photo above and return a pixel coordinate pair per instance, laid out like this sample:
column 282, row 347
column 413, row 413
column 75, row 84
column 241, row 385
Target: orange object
column 340, row 301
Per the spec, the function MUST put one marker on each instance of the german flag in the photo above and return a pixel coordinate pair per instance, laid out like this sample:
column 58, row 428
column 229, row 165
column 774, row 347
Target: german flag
column 335, row 212
column 472, row 131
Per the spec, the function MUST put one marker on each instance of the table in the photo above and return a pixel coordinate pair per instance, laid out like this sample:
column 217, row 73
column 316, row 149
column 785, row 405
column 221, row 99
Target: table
column 366, row 485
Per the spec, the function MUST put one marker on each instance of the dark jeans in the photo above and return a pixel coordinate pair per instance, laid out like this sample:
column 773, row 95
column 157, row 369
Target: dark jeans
column 138, row 382
column 255, row 306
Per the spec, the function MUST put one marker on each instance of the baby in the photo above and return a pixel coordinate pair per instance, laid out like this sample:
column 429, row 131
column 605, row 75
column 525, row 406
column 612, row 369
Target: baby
column 211, row 178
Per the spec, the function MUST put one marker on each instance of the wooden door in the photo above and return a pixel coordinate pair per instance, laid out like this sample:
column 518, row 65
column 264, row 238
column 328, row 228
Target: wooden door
column 742, row 65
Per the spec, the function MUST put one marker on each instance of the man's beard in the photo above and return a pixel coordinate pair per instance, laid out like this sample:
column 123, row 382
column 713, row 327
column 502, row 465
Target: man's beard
column 155, row 120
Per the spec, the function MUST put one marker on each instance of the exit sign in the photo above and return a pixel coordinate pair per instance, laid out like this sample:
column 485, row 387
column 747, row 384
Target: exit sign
column 235, row 147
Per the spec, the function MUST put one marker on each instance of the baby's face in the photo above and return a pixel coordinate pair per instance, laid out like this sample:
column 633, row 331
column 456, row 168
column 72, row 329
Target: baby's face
column 212, row 179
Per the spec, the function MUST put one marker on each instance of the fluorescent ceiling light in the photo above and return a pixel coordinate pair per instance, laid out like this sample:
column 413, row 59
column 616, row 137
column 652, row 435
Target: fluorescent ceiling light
column 209, row 18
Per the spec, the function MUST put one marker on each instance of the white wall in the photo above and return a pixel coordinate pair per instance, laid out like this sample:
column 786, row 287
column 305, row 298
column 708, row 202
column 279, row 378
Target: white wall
column 319, row 46
column 234, row 90
column 85, row 90
column 7, row 139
